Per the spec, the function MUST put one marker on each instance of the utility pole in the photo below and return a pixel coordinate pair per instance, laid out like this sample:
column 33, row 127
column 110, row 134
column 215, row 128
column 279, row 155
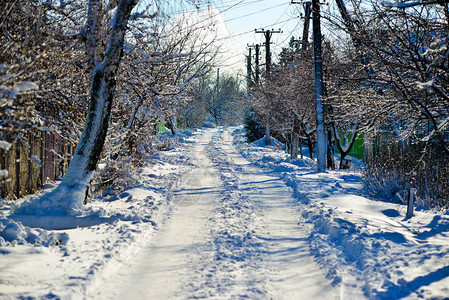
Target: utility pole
column 257, row 48
column 305, row 31
column 318, row 65
column 218, row 104
column 248, row 69
column 248, row 79
column 218, row 80
column 268, row 34
column 257, row 63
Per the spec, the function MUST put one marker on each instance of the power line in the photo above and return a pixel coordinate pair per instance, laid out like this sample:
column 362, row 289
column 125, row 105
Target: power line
column 252, row 31
column 290, row 33
column 213, row 15
column 285, row 23
column 253, row 13
column 224, row 7
column 284, row 12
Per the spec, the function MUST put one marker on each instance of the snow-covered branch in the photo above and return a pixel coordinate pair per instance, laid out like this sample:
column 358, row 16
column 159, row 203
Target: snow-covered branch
column 413, row 3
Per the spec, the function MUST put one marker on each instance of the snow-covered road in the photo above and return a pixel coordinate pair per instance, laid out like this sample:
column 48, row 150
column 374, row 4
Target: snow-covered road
column 217, row 218
column 233, row 234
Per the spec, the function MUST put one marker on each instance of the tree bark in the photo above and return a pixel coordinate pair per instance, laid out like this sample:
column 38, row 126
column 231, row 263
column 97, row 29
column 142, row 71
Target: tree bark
column 295, row 139
column 330, row 149
column 173, row 128
column 267, row 133
column 349, row 145
column 311, row 146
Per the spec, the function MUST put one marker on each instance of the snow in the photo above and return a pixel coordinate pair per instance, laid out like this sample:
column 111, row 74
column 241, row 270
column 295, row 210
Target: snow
column 64, row 200
column 4, row 173
column 5, row 145
column 424, row 85
column 36, row 160
column 77, row 267
column 367, row 246
column 401, row 4
column 218, row 218
column 232, row 234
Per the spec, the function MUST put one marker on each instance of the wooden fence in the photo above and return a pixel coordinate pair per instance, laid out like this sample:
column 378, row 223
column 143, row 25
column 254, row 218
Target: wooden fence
column 43, row 157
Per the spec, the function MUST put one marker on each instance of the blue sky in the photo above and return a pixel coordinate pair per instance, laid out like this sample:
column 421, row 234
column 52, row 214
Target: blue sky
column 243, row 17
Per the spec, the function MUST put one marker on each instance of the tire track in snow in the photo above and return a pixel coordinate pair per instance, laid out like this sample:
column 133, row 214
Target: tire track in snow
column 231, row 265
column 233, row 235
column 258, row 250
column 161, row 270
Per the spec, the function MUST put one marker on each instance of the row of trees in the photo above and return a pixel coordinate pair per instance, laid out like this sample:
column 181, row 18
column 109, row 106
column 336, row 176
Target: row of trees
column 126, row 68
column 222, row 100
column 388, row 79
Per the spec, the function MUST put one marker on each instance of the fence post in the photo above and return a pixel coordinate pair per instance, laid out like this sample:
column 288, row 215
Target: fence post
column 42, row 158
column 3, row 193
column 30, row 163
column 411, row 200
column 17, row 162
column 62, row 156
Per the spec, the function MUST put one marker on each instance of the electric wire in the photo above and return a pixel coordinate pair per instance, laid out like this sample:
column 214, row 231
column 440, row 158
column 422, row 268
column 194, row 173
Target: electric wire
column 253, row 13
column 291, row 32
column 230, row 5
column 249, row 31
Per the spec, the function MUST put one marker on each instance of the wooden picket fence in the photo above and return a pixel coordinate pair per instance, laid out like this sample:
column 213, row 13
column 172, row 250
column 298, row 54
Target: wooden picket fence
column 42, row 158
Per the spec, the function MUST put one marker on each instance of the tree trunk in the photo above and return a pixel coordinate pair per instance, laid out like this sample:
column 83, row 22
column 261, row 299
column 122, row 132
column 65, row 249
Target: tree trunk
column 345, row 149
column 173, row 128
column 287, row 138
column 295, row 139
column 267, row 134
column 311, row 146
column 330, row 149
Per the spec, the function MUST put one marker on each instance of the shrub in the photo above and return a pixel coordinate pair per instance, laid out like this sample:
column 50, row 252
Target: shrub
column 393, row 167
column 253, row 130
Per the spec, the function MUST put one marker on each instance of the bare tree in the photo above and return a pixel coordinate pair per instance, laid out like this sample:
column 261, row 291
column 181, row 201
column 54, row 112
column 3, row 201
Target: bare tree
column 403, row 102
column 408, row 91
column 285, row 101
column 73, row 43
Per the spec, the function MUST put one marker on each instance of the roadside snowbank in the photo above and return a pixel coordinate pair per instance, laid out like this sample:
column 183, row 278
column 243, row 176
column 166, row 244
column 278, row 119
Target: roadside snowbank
column 16, row 233
column 112, row 230
column 368, row 247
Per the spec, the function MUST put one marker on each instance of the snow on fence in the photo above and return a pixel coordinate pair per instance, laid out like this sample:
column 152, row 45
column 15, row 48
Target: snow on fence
column 32, row 162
